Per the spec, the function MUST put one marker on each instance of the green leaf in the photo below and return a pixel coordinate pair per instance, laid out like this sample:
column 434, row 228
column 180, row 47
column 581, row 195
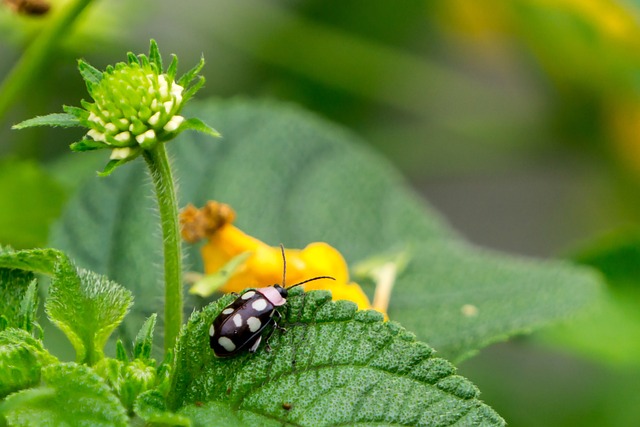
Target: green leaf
column 77, row 112
column 199, row 126
column 90, row 74
column 71, row 395
column 188, row 94
column 55, row 119
column 31, row 200
column 112, row 165
column 150, row 406
column 144, row 340
column 186, row 79
column 332, row 366
column 294, row 178
column 154, row 56
column 87, row 144
column 20, row 337
column 29, row 308
column 21, row 359
column 87, row 307
column 17, row 289
column 132, row 58
column 173, row 67
column 42, row 261
column 19, row 369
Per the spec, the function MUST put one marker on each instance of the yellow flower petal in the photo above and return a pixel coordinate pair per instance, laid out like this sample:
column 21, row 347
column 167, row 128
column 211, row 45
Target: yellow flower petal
column 264, row 267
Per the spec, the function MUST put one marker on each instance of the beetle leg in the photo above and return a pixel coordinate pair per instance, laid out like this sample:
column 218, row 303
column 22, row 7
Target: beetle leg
column 275, row 326
column 256, row 344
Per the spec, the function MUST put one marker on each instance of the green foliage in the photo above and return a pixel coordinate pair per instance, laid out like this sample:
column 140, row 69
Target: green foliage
column 42, row 261
column 19, row 368
column 18, row 299
column 144, row 339
column 21, row 338
column 71, row 395
column 293, row 178
column 333, row 366
column 55, row 120
column 151, row 407
column 30, row 201
column 611, row 332
column 87, row 307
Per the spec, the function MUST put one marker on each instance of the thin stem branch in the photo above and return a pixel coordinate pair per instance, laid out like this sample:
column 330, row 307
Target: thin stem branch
column 37, row 54
column 385, row 277
column 158, row 163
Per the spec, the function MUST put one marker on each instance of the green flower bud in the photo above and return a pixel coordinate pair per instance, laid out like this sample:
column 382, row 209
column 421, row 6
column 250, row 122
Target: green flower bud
column 137, row 94
column 136, row 105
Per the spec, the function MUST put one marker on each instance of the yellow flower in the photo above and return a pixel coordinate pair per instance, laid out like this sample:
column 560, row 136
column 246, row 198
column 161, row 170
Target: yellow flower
column 264, row 264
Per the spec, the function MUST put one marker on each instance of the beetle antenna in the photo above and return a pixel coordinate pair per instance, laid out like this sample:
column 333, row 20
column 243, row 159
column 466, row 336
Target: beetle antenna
column 311, row 280
column 284, row 266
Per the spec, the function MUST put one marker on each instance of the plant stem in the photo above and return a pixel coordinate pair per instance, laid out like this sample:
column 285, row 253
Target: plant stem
column 32, row 62
column 160, row 169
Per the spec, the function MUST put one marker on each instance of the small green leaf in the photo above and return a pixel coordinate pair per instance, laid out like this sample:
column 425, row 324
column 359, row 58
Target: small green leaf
column 19, row 368
column 132, row 58
column 150, row 406
column 173, row 67
column 87, row 307
column 21, row 358
column 199, row 126
column 29, row 308
column 79, row 113
column 188, row 94
column 55, row 119
column 71, row 395
column 332, row 366
column 154, row 56
column 87, row 145
column 210, row 283
column 20, row 337
column 186, row 79
column 42, row 261
column 89, row 73
column 14, row 289
column 144, row 340
column 113, row 165
column 121, row 352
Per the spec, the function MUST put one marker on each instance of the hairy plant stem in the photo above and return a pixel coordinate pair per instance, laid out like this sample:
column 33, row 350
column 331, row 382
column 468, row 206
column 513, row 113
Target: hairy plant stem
column 32, row 62
column 158, row 163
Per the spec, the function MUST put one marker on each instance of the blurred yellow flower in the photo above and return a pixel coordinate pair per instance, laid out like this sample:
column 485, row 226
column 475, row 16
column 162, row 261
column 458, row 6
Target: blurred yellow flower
column 264, row 264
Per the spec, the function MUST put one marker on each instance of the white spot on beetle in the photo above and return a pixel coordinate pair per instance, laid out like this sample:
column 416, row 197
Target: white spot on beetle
column 227, row 310
column 248, row 295
column 211, row 331
column 254, row 323
column 237, row 320
column 259, row 304
column 226, row 343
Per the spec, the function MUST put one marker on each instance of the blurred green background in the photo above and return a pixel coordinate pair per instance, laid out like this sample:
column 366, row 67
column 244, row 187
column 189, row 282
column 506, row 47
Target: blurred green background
column 518, row 119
